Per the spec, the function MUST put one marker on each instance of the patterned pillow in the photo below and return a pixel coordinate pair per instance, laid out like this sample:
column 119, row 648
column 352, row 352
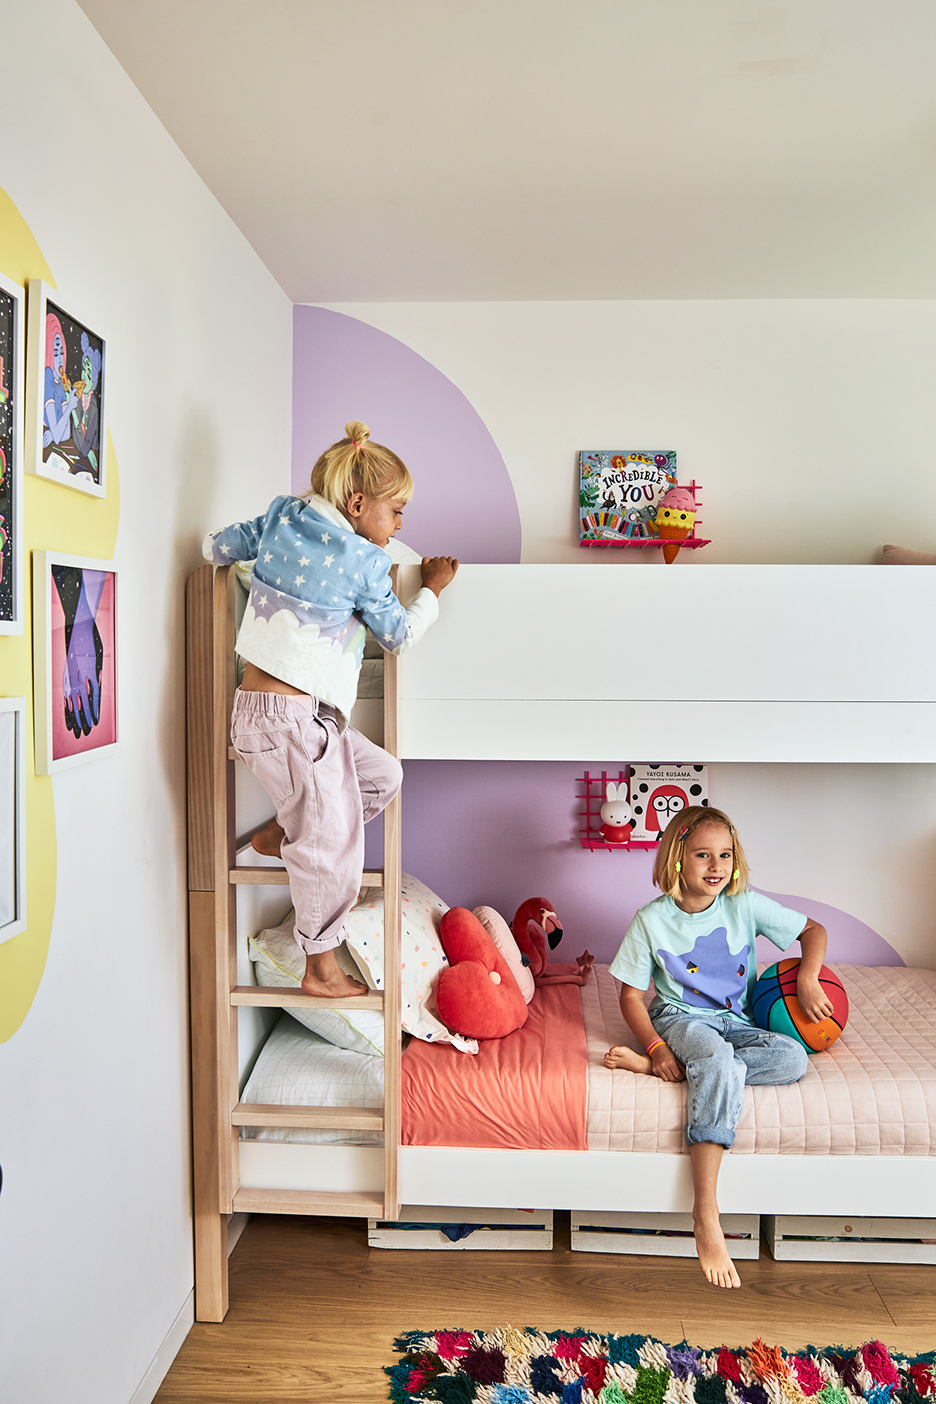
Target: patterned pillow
column 502, row 936
column 280, row 963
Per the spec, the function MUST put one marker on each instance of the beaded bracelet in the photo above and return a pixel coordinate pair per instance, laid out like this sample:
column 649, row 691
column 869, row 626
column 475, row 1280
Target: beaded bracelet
column 657, row 1043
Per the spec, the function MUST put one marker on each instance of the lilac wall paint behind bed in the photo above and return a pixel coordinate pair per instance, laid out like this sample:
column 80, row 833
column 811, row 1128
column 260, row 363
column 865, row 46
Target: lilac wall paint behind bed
column 464, row 504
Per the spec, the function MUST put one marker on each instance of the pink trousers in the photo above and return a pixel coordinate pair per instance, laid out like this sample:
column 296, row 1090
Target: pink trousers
column 325, row 785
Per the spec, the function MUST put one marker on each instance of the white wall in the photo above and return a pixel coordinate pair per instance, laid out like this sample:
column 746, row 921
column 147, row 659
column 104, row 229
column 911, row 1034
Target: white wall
column 810, row 424
column 95, row 1233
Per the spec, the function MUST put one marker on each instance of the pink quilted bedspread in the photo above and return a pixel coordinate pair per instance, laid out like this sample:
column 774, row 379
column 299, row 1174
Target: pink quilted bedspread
column 873, row 1093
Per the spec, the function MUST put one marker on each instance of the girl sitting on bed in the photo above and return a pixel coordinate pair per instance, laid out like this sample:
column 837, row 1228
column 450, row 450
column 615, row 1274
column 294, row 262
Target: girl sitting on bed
column 696, row 943
column 320, row 575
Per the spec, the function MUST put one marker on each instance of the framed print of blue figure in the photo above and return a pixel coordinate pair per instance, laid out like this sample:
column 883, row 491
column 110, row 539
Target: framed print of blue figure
column 12, row 816
column 74, row 659
column 66, row 394
column 12, row 353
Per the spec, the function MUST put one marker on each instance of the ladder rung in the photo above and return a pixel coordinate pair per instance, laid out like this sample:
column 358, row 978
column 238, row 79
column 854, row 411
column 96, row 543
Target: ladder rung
column 356, row 1205
column 322, row 1118
column 270, row 997
column 278, row 877
column 270, row 877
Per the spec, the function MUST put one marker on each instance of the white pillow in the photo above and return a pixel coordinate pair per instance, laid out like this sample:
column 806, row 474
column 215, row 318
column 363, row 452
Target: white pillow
column 502, row 936
column 280, row 963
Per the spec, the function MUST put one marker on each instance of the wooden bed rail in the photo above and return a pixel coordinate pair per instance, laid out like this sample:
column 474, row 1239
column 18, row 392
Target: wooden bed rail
column 214, row 876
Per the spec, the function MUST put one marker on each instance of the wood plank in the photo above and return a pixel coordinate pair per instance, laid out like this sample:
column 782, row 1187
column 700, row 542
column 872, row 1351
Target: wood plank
column 267, row 997
column 259, row 877
column 337, row 1205
column 321, row 1118
column 199, row 761
column 211, row 1258
column 392, row 866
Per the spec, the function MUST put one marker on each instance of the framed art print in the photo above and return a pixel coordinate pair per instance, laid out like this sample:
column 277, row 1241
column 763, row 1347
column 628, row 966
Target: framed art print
column 12, row 816
column 12, row 388
column 74, row 659
column 67, row 381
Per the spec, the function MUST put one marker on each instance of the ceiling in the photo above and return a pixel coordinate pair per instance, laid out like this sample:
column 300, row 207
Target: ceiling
column 436, row 150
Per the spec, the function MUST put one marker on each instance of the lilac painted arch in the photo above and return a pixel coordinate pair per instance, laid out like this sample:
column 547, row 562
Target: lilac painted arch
column 464, row 504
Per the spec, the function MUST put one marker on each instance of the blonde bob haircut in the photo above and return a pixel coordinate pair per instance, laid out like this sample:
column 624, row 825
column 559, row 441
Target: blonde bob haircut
column 676, row 835
column 354, row 464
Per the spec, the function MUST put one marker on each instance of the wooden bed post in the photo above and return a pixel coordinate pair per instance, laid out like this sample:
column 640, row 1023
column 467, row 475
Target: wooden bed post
column 210, row 685
column 393, row 848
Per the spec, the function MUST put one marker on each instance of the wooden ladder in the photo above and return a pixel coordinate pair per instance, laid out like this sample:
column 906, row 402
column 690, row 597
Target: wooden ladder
column 217, row 1112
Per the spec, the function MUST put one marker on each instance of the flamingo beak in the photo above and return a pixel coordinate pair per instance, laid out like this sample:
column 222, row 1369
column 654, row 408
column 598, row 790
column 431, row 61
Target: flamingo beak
column 550, row 924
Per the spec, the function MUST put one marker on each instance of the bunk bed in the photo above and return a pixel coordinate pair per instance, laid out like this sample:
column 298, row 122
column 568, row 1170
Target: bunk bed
column 811, row 663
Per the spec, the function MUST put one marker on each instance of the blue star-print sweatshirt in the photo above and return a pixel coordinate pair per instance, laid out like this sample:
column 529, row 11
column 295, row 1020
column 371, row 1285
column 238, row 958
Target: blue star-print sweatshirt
column 314, row 587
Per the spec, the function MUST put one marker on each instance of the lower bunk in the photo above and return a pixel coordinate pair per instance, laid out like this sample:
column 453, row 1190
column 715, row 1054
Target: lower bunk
column 551, row 1128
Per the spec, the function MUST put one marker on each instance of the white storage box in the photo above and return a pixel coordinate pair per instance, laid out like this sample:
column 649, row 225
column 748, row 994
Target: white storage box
column 665, row 1235
column 529, row 1230
column 814, row 1239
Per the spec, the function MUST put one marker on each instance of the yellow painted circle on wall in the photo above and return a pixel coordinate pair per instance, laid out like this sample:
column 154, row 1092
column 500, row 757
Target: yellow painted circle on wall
column 54, row 519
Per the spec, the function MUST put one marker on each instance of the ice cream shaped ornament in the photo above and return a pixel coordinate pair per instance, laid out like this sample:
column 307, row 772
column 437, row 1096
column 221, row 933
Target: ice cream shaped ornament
column 675, row 519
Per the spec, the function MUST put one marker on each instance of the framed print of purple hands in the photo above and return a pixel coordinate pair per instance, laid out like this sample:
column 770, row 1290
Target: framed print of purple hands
column 75, row 656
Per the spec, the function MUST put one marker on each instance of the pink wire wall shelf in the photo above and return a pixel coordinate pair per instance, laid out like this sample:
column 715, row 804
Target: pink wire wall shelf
column 591, row 798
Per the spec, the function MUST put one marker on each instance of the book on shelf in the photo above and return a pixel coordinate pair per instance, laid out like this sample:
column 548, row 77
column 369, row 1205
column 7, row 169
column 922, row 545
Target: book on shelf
column 659, row 792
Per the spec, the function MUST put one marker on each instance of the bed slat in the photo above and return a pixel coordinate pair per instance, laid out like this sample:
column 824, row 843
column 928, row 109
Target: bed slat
column 270, row 997
column 357, row 1205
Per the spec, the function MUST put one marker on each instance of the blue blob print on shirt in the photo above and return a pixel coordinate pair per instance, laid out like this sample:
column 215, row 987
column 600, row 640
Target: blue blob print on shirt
column 712, row 975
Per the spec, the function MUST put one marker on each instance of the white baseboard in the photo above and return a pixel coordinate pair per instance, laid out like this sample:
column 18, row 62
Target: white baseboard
column 145, row 1391
column 167, row 1352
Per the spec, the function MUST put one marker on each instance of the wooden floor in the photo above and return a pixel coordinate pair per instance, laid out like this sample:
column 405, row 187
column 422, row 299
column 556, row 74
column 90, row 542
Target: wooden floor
column 314, row 1311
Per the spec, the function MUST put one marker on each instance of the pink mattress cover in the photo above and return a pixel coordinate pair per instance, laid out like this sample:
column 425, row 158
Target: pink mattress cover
column 527, row 1091
column 873, row 1093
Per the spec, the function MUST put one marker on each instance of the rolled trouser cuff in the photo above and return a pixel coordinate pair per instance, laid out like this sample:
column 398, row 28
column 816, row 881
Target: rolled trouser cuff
column 717, row 1135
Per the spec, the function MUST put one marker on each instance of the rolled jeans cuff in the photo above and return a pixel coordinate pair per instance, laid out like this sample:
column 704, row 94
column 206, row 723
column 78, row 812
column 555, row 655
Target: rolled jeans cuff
column 717, row 1135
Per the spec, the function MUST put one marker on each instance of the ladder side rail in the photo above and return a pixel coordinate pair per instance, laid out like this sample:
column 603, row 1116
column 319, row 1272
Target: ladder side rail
column 393, row 859
column 208, row 1014
column 224, row 682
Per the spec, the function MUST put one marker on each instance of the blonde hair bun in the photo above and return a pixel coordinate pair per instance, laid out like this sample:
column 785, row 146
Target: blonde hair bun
column 357, row 464
column 357, row 432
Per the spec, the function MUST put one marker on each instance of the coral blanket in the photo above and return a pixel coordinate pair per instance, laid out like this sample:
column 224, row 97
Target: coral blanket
column 527, row 1091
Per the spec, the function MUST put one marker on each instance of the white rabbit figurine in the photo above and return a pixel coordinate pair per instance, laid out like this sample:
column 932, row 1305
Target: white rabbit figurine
column 616, row 814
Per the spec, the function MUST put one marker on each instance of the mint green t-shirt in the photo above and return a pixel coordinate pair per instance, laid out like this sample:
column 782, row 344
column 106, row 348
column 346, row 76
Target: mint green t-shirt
column 703, row 960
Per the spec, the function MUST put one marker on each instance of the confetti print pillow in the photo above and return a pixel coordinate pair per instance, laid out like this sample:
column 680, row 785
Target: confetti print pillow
column 280, row 963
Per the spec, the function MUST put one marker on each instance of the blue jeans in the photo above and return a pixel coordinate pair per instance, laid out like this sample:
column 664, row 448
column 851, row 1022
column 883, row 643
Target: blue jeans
column 720, row 1055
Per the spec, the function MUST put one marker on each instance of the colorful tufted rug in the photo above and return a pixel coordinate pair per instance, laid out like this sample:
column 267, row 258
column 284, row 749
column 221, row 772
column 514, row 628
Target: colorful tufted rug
column 509, row 1366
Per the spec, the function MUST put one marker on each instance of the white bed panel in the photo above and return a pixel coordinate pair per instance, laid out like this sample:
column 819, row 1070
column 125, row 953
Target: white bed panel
column 824, row 732
column 557, row 662
column 280, row 1165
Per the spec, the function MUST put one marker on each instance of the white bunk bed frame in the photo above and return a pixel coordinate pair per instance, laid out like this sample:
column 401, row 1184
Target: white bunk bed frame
column 778, row 663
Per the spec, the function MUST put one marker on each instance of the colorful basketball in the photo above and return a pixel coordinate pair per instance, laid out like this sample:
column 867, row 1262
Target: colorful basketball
column 776, row 1007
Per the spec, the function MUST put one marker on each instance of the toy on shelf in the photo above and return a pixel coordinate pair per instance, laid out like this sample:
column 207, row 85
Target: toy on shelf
column 674, row 520
column 617, row 817
column 595, row 802
column 621, row 493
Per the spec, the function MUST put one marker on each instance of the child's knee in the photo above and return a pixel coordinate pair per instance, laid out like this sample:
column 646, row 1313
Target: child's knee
column 794, row 1060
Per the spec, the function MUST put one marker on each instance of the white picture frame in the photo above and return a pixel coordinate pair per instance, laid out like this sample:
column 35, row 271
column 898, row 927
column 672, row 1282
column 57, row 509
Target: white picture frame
column 12, row 817
column 12, row 401
column 66, row 435
column 68, row 685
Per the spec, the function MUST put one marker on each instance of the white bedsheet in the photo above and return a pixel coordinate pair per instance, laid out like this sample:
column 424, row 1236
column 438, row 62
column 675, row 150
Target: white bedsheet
column 296, row 1068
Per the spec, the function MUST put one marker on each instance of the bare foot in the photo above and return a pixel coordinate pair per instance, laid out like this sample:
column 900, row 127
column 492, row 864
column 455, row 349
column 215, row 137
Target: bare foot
column 629, row 1060
column 714, row 1258
column 336, row 986
column 268, row 840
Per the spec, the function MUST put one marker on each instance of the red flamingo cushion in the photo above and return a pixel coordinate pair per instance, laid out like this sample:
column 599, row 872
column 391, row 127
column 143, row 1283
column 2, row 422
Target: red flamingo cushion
column 477, row 995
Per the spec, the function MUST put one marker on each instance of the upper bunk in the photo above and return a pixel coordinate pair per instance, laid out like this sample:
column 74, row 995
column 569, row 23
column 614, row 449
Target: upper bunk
column 797, row 663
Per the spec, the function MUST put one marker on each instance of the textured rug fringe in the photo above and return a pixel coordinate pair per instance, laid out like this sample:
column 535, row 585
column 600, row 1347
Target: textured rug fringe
column 513, row 1366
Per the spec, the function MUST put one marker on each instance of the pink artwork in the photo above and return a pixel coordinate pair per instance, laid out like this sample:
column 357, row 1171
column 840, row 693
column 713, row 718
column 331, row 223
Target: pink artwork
column 83, row 674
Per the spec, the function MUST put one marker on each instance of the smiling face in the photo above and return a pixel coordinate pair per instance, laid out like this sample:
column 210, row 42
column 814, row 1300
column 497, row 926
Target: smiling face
column 377, row 518
column 707, row 865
